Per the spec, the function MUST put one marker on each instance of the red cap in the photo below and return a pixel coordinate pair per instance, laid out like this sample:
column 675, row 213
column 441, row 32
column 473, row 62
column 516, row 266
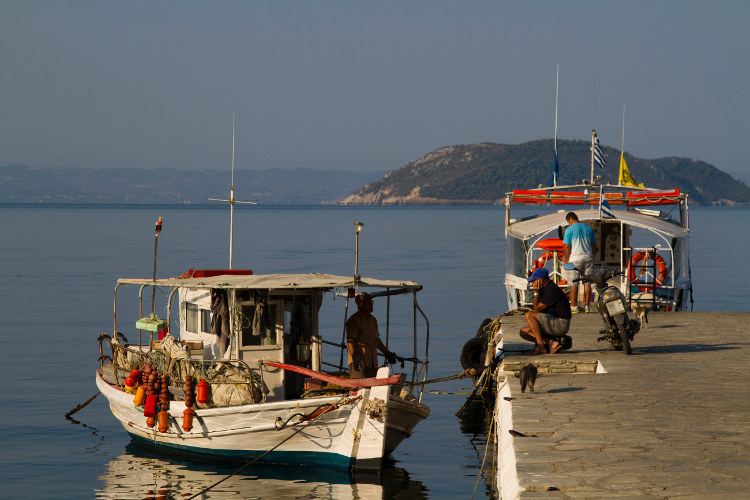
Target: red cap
column 362, row 297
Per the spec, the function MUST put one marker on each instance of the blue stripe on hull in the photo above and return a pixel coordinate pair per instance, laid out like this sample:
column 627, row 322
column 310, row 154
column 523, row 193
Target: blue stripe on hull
column 332, row 460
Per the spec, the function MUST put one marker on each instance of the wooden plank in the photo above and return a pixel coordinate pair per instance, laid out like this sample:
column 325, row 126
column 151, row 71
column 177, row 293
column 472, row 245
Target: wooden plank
column 342, row 382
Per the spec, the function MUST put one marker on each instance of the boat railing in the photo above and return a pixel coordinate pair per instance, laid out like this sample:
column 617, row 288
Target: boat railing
column 562, row 195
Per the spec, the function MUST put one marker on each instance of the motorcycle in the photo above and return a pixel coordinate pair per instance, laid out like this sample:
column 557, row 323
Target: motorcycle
column 619, row 328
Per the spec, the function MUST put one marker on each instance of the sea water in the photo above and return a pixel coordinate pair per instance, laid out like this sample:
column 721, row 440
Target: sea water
column 57, row 274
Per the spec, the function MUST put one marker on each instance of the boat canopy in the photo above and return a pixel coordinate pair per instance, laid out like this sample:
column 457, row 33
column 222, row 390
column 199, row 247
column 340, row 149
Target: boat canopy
column 275, row 281
column 525, row 229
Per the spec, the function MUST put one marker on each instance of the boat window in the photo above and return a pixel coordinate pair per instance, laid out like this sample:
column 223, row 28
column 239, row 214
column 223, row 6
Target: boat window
column 197, row 319
column 261, row 332
column 515, row 259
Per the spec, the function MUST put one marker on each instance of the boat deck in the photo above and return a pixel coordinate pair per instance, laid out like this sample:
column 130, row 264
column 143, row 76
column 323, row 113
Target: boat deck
column 672, row 420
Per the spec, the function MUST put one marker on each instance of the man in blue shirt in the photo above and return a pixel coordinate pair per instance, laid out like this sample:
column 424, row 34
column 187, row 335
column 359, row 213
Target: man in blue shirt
column 580, row 245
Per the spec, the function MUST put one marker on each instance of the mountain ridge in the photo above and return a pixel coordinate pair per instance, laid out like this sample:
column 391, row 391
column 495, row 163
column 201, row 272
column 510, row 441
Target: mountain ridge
column 297, row 186
column 483, row 173
column 460, row 174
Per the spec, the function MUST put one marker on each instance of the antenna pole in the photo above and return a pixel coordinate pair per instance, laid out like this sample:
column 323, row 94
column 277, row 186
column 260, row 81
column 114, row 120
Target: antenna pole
column 594, row 101
column 593, row 134
column 231, row 197
column 557, row 87
column 622, row 148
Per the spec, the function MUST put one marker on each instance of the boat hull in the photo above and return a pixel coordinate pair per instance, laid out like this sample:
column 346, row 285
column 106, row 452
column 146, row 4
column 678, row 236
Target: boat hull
column 354, row 435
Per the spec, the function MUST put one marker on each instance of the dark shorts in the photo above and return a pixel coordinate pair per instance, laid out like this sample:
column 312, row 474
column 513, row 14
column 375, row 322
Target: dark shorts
column 364, row 372
column 553, row 326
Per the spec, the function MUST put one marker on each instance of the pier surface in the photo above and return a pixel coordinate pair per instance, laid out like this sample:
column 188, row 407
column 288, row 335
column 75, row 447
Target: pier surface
column 670, row 421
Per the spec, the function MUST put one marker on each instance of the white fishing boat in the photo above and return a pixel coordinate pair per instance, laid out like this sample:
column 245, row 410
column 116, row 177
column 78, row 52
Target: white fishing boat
column 641, row 232
column 234, row 372
column 267, row 395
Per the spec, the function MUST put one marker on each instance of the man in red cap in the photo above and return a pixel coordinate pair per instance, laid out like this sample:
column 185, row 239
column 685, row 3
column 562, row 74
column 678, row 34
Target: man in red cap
column 362, row 340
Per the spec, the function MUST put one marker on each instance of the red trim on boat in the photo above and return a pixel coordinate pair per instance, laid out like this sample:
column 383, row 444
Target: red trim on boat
column 341, row 382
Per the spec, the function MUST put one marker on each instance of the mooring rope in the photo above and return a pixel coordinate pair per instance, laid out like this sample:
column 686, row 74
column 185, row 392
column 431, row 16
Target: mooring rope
column 80, row 406
column 471, row 372
column 484, row 460
column 306, row 423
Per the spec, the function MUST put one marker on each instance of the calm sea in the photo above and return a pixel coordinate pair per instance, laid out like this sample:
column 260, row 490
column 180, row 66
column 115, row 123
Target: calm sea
column 59, row 265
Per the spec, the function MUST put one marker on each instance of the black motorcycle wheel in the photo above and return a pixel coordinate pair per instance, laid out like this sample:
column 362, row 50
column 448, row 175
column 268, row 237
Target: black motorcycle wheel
column 624, row 338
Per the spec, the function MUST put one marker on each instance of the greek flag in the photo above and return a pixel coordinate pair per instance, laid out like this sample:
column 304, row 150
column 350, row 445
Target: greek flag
column 599, row 158
column 606, row 211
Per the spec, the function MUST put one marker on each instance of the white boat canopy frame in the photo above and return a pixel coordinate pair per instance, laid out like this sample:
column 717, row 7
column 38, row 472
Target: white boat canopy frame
column 275, row 281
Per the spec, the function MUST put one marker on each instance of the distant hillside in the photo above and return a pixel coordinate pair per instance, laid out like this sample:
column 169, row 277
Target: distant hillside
column 483, row 173
column 22, row 184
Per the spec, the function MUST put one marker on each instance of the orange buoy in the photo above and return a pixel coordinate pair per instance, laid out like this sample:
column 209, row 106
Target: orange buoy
column 149, row 409
column 140, row 396
column 163, row 421
column 187, row 419
column 202, row 392
column 151, row 421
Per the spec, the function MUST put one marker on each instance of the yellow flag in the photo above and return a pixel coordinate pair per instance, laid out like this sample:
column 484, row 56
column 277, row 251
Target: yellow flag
column 625, row 178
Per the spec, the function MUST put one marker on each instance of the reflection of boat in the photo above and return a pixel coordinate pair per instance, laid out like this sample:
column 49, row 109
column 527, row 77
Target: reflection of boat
column 641, row 232
column 140, row 473
column 268, row 398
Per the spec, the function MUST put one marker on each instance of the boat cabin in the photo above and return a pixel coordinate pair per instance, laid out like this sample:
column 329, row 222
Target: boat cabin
column 642, row 234
column 254, row 319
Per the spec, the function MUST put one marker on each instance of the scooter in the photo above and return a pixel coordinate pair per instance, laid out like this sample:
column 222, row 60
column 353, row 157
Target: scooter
column 619, row 328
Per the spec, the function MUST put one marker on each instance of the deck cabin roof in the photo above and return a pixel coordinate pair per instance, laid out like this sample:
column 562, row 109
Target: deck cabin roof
column 317, row 281
column 527, row 228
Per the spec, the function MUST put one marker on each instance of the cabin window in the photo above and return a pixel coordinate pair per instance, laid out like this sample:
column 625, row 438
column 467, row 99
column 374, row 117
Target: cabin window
column 197, row 319
column 261, row 332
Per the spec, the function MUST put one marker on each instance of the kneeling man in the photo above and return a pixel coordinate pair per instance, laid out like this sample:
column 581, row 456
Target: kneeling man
column 550, row 318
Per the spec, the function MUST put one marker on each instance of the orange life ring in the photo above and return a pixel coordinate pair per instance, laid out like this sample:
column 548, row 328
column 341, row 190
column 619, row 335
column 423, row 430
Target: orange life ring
column 542, row 260
column 643, row 256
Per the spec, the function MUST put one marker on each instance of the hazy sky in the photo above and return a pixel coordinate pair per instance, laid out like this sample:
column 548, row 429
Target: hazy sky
column 366, row 85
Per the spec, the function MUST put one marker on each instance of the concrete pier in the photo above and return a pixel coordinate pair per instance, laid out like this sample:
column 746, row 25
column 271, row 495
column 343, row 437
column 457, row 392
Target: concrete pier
column 670, row 421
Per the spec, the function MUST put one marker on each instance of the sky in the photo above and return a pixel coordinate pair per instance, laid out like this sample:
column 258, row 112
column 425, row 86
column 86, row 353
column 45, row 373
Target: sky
column 354, row 85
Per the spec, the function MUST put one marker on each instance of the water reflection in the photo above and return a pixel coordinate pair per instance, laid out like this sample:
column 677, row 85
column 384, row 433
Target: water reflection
column 141, row 473
column 475, row 420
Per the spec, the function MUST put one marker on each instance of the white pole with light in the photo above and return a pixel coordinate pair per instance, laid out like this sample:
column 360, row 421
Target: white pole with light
column 357, row 228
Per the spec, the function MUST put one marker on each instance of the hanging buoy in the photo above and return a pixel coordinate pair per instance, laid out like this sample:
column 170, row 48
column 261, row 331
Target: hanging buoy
column 129, row 389
column 187, row 419
column 151, row 421
column 163, row 421
column 202, row 392
column 140, row 396
column 135, row 376
column 150, row 407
